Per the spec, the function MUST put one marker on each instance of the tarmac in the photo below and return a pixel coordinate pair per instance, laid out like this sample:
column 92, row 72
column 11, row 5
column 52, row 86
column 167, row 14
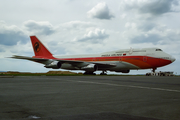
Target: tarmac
column 90, row 98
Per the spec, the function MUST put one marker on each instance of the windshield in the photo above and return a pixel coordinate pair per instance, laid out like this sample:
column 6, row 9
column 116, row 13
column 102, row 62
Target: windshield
column 158, row 50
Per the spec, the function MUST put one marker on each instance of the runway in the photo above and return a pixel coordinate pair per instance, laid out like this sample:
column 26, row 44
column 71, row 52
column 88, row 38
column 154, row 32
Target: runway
column 90, row 97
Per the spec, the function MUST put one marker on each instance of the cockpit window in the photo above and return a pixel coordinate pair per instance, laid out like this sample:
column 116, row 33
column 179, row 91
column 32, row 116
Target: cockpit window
column 158, row 50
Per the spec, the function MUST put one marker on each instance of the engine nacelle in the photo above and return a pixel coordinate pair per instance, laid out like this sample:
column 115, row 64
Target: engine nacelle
column 54, row 65
column 123, row 71
column 90, row 67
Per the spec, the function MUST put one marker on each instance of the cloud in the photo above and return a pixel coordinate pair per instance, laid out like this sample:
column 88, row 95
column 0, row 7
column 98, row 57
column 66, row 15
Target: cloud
column 100, row 11
column 152, row 7
column 146, row 38
column 1, row 50
column 78, row 24
column 94, row 36
column 159, row 35
column 147, row 26
column 11, row 35
column 142, row 25
column 150, row 33
column 40, row 28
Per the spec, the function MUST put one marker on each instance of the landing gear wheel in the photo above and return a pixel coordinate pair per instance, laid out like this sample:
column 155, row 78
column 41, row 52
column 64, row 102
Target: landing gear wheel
column 103, row 73
column 89, row 73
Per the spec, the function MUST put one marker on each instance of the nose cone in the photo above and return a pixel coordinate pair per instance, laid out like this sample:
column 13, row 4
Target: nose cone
column 172, row 59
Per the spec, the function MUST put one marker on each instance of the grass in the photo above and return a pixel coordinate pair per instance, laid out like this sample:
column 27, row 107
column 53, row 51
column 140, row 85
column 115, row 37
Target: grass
column 39, row 74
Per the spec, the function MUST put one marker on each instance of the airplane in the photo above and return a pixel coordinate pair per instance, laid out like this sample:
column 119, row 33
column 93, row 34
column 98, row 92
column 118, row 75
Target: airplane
column 122, row 60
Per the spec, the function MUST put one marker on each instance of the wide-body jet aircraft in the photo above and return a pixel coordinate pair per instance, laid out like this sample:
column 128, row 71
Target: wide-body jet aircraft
column 122, row 60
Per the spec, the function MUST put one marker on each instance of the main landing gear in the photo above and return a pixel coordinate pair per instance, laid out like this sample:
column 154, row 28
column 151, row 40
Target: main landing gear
column 89, row 73
column 153, row 70
column 92, row 73
column 103, row 73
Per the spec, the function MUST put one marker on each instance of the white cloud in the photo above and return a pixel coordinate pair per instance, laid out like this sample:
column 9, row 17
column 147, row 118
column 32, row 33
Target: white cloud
column 11, row 35
column 39, row 28
column 93, row 36
column 147, row 25
column 78, row 24
column 151, row 33
column 100, row 11
column 130, row 25
column 152, row 7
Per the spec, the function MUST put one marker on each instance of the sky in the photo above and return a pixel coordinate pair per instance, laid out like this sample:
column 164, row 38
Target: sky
column 70, row 27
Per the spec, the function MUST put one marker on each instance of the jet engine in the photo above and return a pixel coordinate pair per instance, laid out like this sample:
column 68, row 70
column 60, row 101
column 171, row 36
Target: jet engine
column 54, row 65
column 90, row 68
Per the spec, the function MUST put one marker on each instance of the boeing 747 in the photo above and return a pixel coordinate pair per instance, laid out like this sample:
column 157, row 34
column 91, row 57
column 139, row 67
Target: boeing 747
column 122, row 60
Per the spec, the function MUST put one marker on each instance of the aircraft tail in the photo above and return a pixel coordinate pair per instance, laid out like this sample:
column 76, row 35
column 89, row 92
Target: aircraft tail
column 39, row 49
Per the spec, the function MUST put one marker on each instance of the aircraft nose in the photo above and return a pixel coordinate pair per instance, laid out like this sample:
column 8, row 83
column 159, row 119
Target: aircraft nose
column 172, row 59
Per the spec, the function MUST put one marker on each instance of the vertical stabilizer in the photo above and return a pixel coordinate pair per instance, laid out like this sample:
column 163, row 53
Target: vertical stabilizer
column 39, row 49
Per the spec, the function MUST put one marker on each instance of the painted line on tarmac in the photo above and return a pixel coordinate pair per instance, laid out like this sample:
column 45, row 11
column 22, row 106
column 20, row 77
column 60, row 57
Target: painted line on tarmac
column 130, row 86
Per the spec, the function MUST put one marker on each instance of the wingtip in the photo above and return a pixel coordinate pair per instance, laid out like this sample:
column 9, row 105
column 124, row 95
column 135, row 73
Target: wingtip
column 13, row 56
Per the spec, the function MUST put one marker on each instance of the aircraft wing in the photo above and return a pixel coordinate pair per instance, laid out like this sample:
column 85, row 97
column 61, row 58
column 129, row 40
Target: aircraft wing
column 44, row 60
column 39, row 60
